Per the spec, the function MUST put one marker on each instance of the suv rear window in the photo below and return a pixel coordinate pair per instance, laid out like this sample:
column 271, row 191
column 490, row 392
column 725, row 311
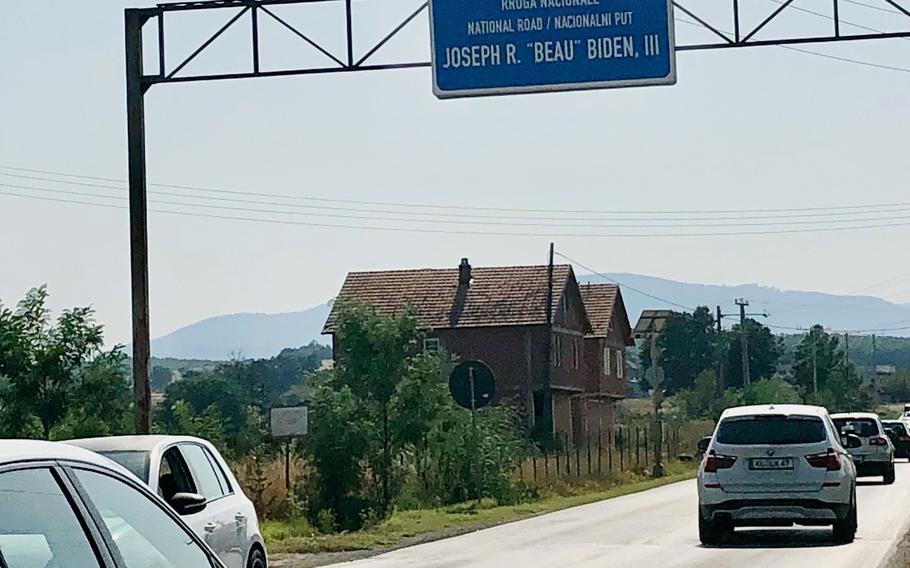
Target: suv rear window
column 865, row 427
column 771, row 430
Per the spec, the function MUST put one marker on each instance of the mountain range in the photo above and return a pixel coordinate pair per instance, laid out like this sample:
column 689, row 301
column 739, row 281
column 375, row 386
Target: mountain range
column 252, row 335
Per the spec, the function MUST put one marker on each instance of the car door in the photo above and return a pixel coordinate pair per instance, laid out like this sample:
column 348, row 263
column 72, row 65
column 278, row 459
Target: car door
column 141, row 531
column 55, row 537
column 217, row 522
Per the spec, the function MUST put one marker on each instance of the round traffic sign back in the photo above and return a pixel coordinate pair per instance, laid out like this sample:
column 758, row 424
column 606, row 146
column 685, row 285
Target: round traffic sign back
column 472, row 377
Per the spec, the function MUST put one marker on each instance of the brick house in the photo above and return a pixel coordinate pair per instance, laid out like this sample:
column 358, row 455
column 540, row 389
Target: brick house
column 498, row 315
column 605, row 353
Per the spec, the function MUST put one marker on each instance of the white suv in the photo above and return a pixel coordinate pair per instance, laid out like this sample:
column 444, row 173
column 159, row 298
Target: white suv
column 776, row 465
column 876, row 454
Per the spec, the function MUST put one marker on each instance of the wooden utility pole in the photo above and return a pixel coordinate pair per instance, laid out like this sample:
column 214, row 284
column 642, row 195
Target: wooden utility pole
column 720, row 352
column 547, row 402
column 742, row 303
column 139, row 268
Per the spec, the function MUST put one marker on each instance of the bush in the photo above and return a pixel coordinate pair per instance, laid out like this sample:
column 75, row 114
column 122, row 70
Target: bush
column 771, row 391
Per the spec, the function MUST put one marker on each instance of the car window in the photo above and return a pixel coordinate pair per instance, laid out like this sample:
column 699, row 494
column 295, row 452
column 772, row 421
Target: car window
column 204, row 476
column 52, row 539
column 219, row 472
column 136, row 462
column 145, row 535
column 863, row 427
column 771, row 430
column 173, row 475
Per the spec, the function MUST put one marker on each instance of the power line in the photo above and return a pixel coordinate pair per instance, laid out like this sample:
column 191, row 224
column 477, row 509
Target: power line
column 873, row 7
column 561, row 220
column 489, row 233
column 818, row 53
column 845, row 208
column 846, row 59
column 831, row 18
column 833, row 223
column 614, row 281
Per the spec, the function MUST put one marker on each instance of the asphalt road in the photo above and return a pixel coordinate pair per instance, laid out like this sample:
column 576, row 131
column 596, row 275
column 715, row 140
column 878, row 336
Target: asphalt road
column 657, row 528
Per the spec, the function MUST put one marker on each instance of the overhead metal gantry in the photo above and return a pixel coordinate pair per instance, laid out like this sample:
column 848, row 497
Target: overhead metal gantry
column 252, row 13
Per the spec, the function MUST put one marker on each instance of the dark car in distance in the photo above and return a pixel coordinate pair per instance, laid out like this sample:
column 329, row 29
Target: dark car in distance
column 900, row 437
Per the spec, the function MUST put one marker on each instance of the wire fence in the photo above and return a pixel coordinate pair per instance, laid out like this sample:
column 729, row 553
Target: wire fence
column 612, row 452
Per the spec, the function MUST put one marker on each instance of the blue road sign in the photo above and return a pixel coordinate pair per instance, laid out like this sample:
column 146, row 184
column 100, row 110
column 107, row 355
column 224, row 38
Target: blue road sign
column 490, row 47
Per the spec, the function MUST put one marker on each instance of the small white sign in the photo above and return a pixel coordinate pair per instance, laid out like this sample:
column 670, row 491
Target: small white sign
column 289, row 422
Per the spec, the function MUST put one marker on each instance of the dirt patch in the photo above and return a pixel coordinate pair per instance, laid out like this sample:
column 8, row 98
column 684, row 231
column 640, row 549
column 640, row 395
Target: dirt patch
column 900, row 556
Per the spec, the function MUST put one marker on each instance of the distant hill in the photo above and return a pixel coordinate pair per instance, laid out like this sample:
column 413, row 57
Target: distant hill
column 246, row 336
column 265, row 335
column 786, row 308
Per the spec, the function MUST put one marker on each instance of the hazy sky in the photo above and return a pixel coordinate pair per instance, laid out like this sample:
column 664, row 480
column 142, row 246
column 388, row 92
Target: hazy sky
column 743, row 129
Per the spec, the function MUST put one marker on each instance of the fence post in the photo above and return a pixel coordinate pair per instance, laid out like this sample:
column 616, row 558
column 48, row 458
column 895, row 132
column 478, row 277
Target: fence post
column 556, row 448
column 610, row 457
column 622, row 465
column 534, row 465
column 600, row 455
column 568, row 458
column 647, row 432
column 546, row 465
column 578, row 458
column 637, row 452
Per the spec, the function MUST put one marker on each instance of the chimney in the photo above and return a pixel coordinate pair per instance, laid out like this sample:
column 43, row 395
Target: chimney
column 464, row 273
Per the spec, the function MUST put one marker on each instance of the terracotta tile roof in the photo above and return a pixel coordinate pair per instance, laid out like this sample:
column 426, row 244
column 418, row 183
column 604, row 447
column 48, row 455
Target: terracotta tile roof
column 497, row 296
column 602, row 302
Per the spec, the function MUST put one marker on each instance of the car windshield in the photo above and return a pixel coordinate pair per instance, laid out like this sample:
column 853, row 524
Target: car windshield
column 135, row 461
column 771, row 430
column 862, row 427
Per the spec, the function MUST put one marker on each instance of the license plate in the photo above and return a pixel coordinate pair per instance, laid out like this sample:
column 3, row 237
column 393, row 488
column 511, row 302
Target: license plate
column 859, row 459
column 771, row 463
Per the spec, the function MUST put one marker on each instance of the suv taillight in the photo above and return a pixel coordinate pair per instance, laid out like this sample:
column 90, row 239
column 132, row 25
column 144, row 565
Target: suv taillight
column 878, row 441
column 715, row 462
column 828, row 460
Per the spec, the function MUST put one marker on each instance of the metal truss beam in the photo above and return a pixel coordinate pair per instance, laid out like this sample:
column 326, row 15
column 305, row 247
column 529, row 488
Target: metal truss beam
column 349, row 61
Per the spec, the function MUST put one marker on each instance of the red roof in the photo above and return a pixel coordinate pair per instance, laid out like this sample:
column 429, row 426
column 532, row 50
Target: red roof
column 497, row 296
column 602, row 302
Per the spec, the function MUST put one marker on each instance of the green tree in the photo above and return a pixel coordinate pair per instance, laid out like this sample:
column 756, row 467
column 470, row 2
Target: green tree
column 376, row 352
column 220, row 405
column 765, row 350
column 824, row 375
column 688, row 346
column 338, row 443
column 58, row 374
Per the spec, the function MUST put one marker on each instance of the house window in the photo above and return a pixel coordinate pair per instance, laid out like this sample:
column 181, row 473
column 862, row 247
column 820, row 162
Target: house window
column 620, row 364
column 557, row 351
column 431, row 344
column 607, row 361
column 538, row 405
column 576, row 353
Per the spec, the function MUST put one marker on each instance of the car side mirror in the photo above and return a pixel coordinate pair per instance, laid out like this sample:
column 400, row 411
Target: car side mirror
column 703, row 444
column 187, row 503
column 851, row 441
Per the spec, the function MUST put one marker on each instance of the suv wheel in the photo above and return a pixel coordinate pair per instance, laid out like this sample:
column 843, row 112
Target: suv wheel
column 711, row 532
column 845, row 529
column 889, row 475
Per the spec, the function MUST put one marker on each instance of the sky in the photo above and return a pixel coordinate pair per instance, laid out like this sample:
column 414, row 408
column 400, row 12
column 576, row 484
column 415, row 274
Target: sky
column 756, row 128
